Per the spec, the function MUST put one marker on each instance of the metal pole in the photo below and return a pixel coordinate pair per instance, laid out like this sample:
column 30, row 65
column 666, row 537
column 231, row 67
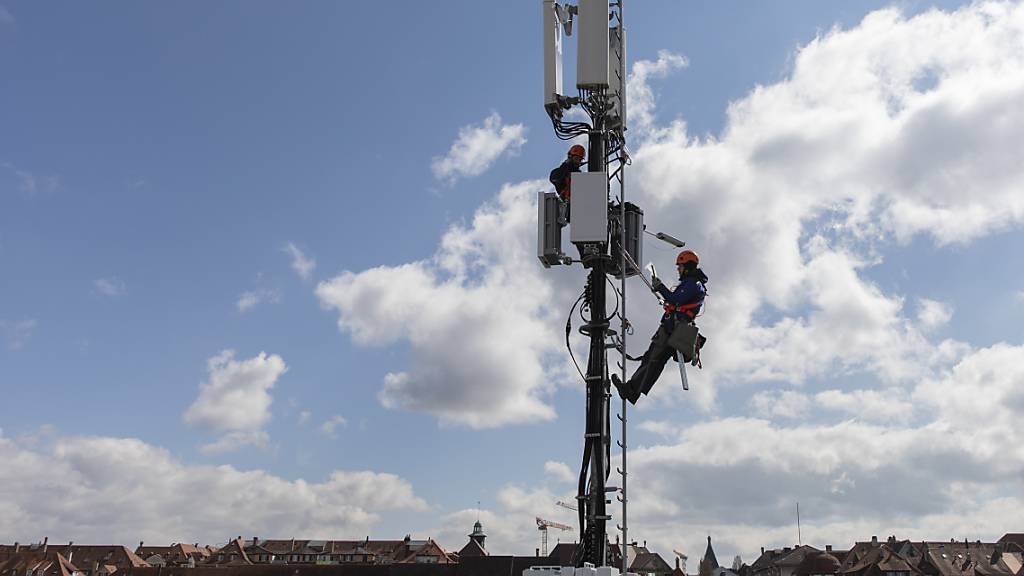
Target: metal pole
column 597, row 386
column 622, row 268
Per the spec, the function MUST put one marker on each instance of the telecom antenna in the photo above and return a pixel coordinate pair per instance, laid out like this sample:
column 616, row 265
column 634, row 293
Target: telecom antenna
column 607, row 234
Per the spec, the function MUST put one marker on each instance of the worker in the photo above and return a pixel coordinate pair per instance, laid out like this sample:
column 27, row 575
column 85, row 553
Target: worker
column 682, row 305
column 561, row 177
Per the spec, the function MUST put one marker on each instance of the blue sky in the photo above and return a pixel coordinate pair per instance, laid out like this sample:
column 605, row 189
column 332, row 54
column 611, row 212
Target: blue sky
column 177, row 181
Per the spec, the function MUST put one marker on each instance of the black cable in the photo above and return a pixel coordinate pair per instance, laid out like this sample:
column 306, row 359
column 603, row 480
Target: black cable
column 568, row 330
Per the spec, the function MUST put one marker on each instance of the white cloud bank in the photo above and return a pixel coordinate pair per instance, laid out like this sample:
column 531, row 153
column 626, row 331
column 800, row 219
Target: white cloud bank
column 478, row 147
column 479, row 317
column 235, row 400
column 101, row 489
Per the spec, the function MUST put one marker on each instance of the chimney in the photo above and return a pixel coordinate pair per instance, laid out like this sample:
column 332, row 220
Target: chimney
column 874, row 540
column 141, row 543
column 828, row 548
column 17, row 547
column 762, row 550
column 677, row 562
column 70, row 543
column 538, row 552
column 46, row 541
column 255, row 540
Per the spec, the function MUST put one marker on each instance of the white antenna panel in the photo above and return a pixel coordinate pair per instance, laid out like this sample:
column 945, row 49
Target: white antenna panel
column 617, row 74
column 592, row 46
column 552, row 52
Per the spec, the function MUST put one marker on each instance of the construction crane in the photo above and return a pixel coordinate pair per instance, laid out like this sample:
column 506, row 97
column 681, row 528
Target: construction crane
column 543, row 526
column 682, row 560
column 568, row 506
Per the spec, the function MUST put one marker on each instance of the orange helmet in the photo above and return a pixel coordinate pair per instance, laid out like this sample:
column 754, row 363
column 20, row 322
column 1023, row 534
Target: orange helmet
column 577, row 150
column 687, row 256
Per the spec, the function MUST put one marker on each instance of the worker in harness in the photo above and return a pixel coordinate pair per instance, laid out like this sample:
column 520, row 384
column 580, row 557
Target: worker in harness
column 682, row 305
column 561, row 178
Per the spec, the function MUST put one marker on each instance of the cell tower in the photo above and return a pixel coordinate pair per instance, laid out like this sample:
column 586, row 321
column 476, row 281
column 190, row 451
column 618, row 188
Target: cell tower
column 607, row 232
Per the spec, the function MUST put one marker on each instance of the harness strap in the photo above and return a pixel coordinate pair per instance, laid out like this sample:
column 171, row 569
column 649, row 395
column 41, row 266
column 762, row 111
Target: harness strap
column 684, row 308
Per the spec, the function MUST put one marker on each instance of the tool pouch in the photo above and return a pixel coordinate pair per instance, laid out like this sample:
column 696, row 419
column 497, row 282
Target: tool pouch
column 687, row 340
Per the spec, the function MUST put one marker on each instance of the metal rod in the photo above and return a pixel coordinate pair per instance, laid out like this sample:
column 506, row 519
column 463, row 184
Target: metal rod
column 622, row 268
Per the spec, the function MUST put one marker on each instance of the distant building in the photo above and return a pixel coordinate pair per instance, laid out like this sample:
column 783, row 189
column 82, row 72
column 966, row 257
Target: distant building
column 475, row 546
column 709, row 564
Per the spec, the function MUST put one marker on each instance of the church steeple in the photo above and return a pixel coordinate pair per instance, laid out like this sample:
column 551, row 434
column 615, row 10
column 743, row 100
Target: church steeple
column 478, row 534
column 709, row 563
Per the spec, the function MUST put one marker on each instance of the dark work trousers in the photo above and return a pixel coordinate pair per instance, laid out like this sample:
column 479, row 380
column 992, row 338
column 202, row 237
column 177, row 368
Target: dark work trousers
column 653, row 362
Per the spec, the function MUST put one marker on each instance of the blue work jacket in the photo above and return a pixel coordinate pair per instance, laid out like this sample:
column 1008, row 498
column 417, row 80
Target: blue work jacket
column 690, row 293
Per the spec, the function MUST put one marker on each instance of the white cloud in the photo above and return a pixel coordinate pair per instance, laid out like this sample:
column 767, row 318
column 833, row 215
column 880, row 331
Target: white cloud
column 932, row 313
column 892, row 405
column 236, row 399
column 329, row 427
column 559, row 471
column 302, row 265
column 660, row 427
column 112, row 286
column 478, row 147
column 482, row 299
column 780, row 404
column 304, row 417
column 17, row 333
column 251, row 298
column 102, row 489
column 640, row 97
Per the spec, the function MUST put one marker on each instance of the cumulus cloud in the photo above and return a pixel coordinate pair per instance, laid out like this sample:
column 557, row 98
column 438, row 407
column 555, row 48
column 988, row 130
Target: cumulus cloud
column 851, row 478
column 477, row 147
column 892, row 405
column 112, row 286
column 483, row 300
column 17, row 332
column 559, row 471
column 640, row 96
column 780, row 404
column 329, row 426
column 302, row 264
column 932, row 313
column 102, row 489
column 235, row 399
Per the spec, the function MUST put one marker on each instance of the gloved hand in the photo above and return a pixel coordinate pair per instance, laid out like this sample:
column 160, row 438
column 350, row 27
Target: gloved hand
column 656, row 283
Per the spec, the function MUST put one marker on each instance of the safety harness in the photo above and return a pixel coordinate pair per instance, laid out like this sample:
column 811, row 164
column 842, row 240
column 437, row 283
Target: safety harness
column 688, row 309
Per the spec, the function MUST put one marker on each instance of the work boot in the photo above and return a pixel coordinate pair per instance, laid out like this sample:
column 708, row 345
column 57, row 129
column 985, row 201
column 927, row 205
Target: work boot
column 625, row 392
